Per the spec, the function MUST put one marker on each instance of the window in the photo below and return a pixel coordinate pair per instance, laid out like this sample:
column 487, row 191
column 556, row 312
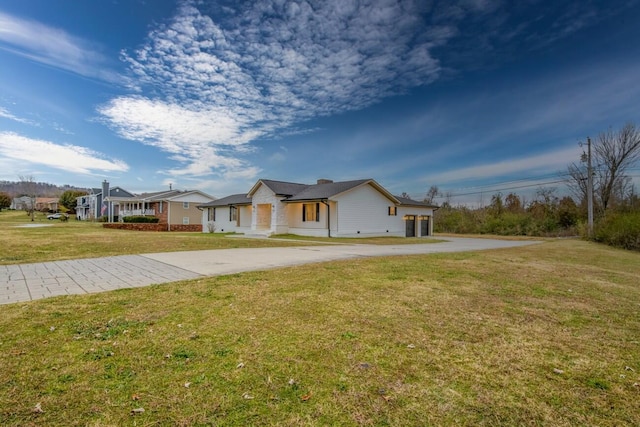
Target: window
column 211, row 214
column 185, row 220
column 185, row 205
column 393, row 211
column 311, row 212
column 233, row 213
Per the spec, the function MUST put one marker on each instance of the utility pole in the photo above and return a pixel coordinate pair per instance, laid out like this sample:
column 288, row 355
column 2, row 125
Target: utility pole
column 587, row 157
column 589, row 189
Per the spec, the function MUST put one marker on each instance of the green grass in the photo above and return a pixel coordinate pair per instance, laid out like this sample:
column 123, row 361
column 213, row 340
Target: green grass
column 547, row 334
column 57, row 240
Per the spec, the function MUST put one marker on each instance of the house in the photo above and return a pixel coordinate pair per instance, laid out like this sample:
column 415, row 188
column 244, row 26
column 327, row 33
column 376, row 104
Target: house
column 23, row 202
column 92, row 206
column 359, row 208
column 228, row 214
column 43, row 204
column 47, row 204
column 173, row 207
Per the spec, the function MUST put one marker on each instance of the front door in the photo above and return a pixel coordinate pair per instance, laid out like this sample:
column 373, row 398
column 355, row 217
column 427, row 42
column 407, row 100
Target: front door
column 263, row 219
column 410, row 222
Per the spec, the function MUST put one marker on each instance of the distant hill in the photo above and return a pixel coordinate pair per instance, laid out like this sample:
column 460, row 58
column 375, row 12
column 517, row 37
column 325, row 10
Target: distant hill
column 43, row 189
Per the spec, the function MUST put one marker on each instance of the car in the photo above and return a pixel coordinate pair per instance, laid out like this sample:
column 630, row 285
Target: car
column 55, row 216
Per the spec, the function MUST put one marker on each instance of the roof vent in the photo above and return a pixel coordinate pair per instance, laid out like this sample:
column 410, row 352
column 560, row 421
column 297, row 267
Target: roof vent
column 325, row 181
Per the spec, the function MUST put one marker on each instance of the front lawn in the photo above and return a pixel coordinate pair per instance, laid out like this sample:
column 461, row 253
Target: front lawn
column 546, row 334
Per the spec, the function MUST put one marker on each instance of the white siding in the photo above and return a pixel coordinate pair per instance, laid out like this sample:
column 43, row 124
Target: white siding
column 364, row 212
column 244, row 213
column 308, row 228
column 222, row 223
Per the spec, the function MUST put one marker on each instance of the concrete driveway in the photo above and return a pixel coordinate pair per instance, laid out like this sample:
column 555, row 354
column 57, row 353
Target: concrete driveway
column 26, row 282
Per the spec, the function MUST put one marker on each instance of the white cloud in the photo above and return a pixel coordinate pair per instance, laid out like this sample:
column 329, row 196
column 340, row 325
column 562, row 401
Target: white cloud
column 8, row 115
column 213, row 85
column 258, row 73
column 69, row 158
column 53, row 47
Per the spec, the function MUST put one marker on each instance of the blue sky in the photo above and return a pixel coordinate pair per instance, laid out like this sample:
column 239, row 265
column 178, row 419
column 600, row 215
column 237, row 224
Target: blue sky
column 472, row 95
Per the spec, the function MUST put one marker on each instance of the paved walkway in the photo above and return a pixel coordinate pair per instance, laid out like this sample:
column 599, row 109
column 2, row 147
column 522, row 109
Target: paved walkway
column 25, row 282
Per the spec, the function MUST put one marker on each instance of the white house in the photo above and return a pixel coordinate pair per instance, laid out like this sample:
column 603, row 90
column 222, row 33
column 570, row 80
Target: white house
column 228, row 214
column 360, row 208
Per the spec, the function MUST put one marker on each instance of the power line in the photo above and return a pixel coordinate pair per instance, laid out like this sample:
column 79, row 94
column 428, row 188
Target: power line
column 539, row 184
column 480, row 189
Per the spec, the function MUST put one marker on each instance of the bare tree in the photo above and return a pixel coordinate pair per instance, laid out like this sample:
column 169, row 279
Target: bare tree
column 614, row 152
column 29, row 187
column 432, row 193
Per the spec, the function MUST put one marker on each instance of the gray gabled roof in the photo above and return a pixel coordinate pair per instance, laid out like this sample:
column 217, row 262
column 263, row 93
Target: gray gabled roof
column 280, row 188
column 410, row 202
column 234, row 199
column 326, row 190
column 159, row 195
column 119, row 192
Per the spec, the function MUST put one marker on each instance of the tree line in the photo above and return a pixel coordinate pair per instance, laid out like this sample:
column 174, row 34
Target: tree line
column 616, row 203
column 28, row 187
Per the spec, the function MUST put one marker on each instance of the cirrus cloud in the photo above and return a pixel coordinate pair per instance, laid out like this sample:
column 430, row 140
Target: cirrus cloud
column 53, row 47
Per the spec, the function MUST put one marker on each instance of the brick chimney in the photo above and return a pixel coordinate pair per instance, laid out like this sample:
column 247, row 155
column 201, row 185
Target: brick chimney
column 325, row 181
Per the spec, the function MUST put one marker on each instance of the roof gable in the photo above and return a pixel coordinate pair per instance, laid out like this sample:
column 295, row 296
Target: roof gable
column 280, row 188
column 194, row 196
column 328, row 190
column 234, row 199
column 120, row 192
column 159, row 195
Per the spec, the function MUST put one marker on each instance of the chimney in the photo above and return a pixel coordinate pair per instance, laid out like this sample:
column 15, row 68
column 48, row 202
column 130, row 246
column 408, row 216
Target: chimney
column 105, row 188
column 325, row 181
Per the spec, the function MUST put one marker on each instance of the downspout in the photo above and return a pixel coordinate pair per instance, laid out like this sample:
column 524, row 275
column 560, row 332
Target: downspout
column 168, row 215
column 328, row 216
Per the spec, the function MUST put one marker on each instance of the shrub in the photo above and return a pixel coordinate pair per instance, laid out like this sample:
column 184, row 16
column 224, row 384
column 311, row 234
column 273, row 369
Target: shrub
column 621, row 230
column 507, row 224
column 141, row 219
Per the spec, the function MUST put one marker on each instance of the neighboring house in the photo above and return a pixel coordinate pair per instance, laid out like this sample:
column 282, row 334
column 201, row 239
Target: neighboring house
column 360, row 208
column 23, row 203
column 172, row 207
column 47, row 204
column 88, row 205
column 41, row 203
column 93, row 206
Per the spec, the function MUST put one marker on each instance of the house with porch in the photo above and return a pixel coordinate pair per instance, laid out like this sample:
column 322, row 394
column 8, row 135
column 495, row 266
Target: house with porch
column 173, row 207
column 177, row 208
column 93, row 205
column 358, row 208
